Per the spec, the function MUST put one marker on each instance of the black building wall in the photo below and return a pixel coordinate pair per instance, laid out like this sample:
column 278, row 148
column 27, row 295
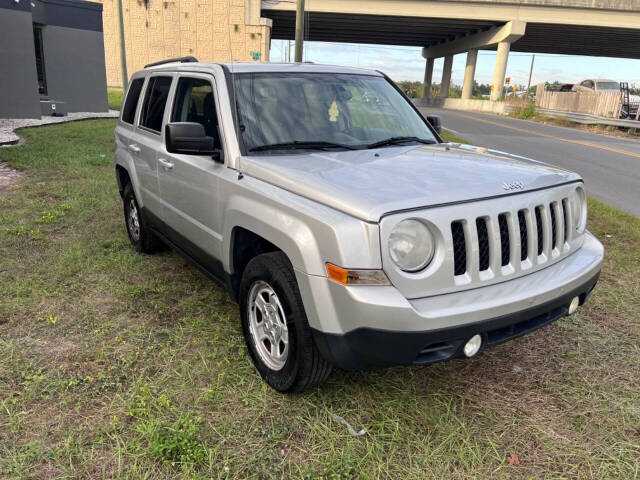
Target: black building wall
column 19, row 96
column 73, row 55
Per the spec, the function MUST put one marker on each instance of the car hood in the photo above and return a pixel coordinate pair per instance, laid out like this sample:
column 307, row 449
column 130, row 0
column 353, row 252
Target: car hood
column 368, row 184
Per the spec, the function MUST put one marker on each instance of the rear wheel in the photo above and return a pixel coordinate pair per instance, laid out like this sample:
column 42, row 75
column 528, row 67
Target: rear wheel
column 275, row 326
column 140, row 234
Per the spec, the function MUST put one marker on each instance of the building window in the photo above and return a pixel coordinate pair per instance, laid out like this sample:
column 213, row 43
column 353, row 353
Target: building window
column 37, row 40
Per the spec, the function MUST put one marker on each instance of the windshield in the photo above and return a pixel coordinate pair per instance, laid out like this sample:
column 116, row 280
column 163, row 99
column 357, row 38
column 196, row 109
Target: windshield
column 277, row 111
column 608, row 86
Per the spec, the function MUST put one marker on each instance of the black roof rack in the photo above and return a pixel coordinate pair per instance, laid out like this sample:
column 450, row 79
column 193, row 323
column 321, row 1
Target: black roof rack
column 188, row 59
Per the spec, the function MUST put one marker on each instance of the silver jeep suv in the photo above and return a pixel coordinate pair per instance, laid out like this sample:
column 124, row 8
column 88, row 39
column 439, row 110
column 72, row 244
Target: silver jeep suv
column 349, row 233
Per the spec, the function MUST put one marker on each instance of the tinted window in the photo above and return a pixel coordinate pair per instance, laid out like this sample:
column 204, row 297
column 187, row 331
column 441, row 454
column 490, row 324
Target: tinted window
column 129, row 109
column 615, row 86
column 154, row 102
column 194, row 102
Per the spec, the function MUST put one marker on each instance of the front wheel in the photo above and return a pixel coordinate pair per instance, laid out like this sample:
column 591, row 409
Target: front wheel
column 275, row 326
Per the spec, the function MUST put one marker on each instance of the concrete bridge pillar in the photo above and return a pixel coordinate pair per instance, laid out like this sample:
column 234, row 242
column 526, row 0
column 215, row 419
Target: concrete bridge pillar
column 469, row 73
column 428, row 78
column 446, row 76
column 500, row 69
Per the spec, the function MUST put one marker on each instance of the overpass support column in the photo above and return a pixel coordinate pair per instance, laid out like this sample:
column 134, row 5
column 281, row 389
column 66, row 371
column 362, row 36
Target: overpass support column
column 446, row 76
column 469, row 73
column 428, row 78
column 500, row 69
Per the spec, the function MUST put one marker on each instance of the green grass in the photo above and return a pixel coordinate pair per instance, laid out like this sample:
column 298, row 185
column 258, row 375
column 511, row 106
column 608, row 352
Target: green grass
column 447, row 136
column 119, row 365
column 115, row 99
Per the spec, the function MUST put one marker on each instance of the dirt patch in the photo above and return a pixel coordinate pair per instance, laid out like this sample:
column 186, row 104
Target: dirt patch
column 8, row 176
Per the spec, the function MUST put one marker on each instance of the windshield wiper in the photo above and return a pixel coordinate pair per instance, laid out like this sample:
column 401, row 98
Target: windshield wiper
column 396, row 140
column 297, row 145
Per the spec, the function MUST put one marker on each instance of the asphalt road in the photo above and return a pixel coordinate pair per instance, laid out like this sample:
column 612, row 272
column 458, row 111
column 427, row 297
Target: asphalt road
column 609, row 165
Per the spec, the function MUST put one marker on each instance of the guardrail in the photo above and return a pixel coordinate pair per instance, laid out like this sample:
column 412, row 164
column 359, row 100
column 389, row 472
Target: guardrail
column 589, row 119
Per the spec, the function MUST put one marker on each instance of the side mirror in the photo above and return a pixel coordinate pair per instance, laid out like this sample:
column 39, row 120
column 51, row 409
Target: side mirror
column 435, row 122
column 188, row 138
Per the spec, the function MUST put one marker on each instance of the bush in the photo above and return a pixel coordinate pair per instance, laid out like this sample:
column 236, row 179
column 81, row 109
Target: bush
column 176, row 442
column 525, row 111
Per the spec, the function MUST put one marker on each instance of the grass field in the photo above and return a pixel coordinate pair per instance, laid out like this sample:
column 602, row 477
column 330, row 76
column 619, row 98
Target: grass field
column 115, row 98
column 119, row 365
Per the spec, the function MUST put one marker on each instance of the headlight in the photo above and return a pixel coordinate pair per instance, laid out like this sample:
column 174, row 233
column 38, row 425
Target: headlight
column 411, row 245
column 578, row 205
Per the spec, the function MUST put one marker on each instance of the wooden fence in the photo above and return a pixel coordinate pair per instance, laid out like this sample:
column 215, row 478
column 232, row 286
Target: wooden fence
column 604, row 104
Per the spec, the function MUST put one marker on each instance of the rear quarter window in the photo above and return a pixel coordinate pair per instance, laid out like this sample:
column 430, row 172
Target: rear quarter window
column 131, row 102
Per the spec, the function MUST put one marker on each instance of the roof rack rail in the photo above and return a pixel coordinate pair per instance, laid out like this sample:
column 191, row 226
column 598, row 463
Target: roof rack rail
column 189, row 59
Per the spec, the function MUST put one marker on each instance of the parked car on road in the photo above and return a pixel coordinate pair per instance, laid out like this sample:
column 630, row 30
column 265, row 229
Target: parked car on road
column 349, row 233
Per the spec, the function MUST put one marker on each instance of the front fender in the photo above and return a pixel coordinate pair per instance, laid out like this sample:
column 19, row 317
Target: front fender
column 288, row 233
column 309, row 233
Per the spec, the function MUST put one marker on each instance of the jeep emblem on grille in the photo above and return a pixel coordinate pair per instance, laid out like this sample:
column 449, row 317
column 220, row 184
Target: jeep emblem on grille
column 514, row 185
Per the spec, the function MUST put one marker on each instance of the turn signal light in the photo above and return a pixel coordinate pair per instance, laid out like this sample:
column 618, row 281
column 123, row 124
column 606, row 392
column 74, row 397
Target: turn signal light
column 356, row 277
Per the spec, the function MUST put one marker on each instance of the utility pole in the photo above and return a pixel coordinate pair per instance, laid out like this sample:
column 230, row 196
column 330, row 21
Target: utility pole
column 533, row 58
column 123, row 50
column 299, row 30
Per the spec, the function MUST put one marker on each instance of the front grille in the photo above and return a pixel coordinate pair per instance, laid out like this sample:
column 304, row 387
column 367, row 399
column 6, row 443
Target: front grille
column 552, row 211
column 550, row 220
column 504, row 239
column 539, row 229
column 459, row 248
column 483, row 243
column 524, row 239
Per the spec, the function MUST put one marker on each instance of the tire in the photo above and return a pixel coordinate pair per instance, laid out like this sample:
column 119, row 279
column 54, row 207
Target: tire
column 303, row 367
column 141, row 236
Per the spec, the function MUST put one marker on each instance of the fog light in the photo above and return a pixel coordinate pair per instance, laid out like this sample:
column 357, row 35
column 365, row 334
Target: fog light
column 473, row 346
column 573, row 306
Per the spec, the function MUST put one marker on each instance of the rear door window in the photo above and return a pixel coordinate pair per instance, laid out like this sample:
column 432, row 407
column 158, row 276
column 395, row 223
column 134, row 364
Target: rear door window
column 131, row 102
column 155, row 101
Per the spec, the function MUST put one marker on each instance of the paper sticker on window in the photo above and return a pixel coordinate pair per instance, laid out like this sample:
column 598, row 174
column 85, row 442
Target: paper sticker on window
column 333, row 111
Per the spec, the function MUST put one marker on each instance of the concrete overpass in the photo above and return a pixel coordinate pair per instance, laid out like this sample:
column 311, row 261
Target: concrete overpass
column 607, row 28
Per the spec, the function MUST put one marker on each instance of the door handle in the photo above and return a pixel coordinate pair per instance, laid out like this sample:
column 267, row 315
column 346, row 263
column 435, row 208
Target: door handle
column 165, row 163
column 134, row 148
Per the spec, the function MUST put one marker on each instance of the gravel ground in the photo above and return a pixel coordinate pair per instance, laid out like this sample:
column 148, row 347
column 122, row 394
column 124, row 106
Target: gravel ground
column 8, row 176
column 8, row 125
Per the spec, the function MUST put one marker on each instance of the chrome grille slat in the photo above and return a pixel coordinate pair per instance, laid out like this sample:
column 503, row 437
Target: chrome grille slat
column 473, row 255
column 495, row 257
column 559, row 213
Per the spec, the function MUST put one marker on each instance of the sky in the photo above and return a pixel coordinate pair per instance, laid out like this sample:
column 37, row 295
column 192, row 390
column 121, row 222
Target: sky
column 406, row 63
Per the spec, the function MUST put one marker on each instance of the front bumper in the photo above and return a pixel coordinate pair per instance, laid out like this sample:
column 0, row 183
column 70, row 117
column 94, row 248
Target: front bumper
column 360, row 327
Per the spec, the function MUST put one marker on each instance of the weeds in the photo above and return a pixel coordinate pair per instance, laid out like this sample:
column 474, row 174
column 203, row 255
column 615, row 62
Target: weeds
column 144, row 374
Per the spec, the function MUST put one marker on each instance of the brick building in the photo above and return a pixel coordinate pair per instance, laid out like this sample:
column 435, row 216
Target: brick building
column 211, row 30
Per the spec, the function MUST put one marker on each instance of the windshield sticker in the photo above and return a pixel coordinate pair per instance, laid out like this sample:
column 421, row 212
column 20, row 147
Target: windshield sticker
column 333, row 111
